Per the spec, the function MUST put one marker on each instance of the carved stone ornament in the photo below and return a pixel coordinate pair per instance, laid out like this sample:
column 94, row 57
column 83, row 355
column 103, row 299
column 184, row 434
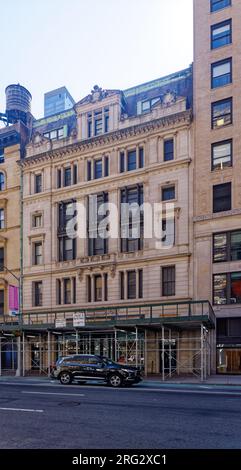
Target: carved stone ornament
column 97, row 94
column 81, row 274
column 113, row 270
column 169, row 98
column 38, row 139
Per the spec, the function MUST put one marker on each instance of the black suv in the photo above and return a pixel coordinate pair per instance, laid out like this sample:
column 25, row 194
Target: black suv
column 87, row 367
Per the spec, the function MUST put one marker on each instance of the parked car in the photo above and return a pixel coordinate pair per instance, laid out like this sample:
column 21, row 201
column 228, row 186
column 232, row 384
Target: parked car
column 85, row 367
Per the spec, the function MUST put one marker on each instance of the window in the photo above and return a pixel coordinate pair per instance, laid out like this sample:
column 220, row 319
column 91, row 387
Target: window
column 168, row 281
column 55, row 134
column 98, row 288
column 89, row 124
column 168, row 193
column 106, row 164
column 227, row 288
column 1, row 302
column 147, row 104
column 2, row 181
column 67, row 249
column 122, row 285
column 122, row 162
column 168, row 232
column 74, row 290
column 37, row 221
column 221, row 34
column 141, row 157
column 131, row 160
column 222, row 113
column 219, row 4
column 75, row 174
column 59, row 178
column 221, row 73
column 88, row 170
column 1, row 259
column 131, row 284
column 67, row 176
column 168, row 150
column 227, row 246
column 38, row 183
column 97, row 242
column 37, row 294
column 98, row 168
column 67, row 246
column 222, row 154
column 2, row 159
column 2, row 219
column 58, row 292
column 67, row 291
column 132, row 223
column 38, row 255
column 140, row 283
column 98, row 124
column 222, row 199
column 88, row 278
column 106, row 116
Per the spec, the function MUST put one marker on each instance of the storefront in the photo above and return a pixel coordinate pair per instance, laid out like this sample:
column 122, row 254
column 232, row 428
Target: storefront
column 229, row 345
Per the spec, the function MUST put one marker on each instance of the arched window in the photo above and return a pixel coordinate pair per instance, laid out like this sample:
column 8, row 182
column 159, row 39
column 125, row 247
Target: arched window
column 2, row 181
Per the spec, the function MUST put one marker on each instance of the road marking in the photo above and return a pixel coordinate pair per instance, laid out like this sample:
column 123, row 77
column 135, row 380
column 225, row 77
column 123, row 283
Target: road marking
column 22, row 409
column 52, row 393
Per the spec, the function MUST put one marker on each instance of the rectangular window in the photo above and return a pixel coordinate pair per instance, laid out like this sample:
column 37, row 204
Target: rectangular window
column 67, row 249
column 221, row 34
column 141, row 157
column 98, row 168
column 97, row 241
column 168, row 281
column 222, row 197
column 38, row 294
column 75, row 174
column 227, row 246
column 2, row 219
column 168, row 193
column 227, row 288
column 105, row 286
column 67, row 176
column 235, row 281
column 74, row 289
column 221, row 73
column 222, row 113
column 222, row 154
column 59, row 178
column 98, row 123
column 89, row 294
column 132, row 223
column 168, row 232
column 98, row 288
column 131, row 160
column 67, row 291
column 58, row 292
column 219, row 4
column 38, row 255
column 37, row 220
column 106, row 164
column 1, row 259
column 89, row 124
column 131, row 284
column 168, row 150
column 140, row 283
column 38, row 183
column 106, row 113
column 122, row 162
column 1, row 302
column 220, row 289
column 89, row 170
column 122, row 285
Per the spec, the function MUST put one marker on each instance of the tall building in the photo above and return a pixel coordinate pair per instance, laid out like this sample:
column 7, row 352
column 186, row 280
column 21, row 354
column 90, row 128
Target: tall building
column 57, row 101
column 217, row 189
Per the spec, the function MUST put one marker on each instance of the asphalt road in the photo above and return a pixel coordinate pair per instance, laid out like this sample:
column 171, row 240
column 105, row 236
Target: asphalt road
column 51, row 416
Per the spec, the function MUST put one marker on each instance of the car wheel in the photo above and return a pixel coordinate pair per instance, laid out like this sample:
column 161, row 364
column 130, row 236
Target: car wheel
column 115, row 380
column 65, row 378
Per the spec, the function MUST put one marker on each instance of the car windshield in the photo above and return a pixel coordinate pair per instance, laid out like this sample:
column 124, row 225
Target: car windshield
column 108, row 361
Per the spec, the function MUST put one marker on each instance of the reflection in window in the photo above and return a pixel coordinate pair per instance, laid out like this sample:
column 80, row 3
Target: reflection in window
column 220, row 289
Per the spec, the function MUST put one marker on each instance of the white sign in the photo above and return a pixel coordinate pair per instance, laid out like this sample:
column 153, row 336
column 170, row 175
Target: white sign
column 13, row 313
column 60, row 323
column 79, row 319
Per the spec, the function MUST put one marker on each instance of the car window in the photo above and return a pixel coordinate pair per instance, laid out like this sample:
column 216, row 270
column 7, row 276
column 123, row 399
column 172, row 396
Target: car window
column 94, row 360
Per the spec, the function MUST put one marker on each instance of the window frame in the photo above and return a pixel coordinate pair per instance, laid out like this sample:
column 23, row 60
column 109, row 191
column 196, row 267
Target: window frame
column 167, row 153
column 219, row 144
column 218, row 64
column 165, row 283
column 215, row 103
column 228, row 287
column 229, row 249
column 222, row 185
column 216, row 2
column 220, row 25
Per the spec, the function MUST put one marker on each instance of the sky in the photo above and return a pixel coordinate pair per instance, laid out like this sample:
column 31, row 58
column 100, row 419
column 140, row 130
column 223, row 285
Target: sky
column 115, row 44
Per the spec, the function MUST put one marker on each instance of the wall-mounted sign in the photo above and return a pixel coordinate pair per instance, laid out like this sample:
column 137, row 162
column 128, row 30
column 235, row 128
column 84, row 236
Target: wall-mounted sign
column 79, row 319
column 60, row 323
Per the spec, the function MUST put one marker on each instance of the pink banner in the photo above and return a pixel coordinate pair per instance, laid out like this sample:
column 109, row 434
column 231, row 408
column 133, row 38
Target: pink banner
column 13, row 298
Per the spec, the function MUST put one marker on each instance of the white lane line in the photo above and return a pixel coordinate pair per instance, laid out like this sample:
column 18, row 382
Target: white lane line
column 52, row 393
column 22, row 409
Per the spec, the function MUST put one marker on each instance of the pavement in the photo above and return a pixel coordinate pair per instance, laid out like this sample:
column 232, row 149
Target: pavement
column 40, row 413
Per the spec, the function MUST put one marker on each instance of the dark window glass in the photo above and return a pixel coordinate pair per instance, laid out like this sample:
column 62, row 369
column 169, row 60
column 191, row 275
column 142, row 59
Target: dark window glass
column 221, row 73
column 89, row 170
column 168, row 150
column 98, row 123
column 58, row 293
column 122, row 162
column 168, row 281
column 234, row 327
column 75, row 174
column 67, row 291
column 222, row 199
column 219, row 4
column 38, row 293
column 122, row 285
column 219, row 247
column 67, row 176
column 89, row 288
column 105, row 286
column 106, row 163
column 1, row 302
column 131, row 285
column 89, row 126
column 98, row 168
column 220, row 289
column 235, row 288
column 38, row 183
column 2, row 219
column 140, row 283
column 141, row 157
column 221, row 34
column 106, row 119
column 135, row 222
column 74, row 290
column 2, row 159
column 222, row 154
column 59, row 178
column 98, row 288
column 38, row 253
column 68, row 249
column 97, row 242
column 222, row 326
column 1, row 259
column 2, row 182
column 235, row 240
column 222, row 113
column 131, row 160
column 168, row 193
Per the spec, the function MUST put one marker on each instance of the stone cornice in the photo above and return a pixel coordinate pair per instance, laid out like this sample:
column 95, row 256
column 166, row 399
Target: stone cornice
column 184, row 117
column 218, row 215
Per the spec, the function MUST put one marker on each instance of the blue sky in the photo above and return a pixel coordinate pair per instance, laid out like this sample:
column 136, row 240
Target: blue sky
column 79, row 43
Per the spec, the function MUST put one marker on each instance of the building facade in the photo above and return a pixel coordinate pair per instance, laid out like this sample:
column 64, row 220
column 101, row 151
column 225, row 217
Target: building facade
column 217, row 189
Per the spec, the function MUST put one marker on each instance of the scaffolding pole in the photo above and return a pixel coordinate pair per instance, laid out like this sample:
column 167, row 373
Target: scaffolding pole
column 23, row 353
column 202, row 362
column 136, row 346
column 49, row 354
column 163, row 353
